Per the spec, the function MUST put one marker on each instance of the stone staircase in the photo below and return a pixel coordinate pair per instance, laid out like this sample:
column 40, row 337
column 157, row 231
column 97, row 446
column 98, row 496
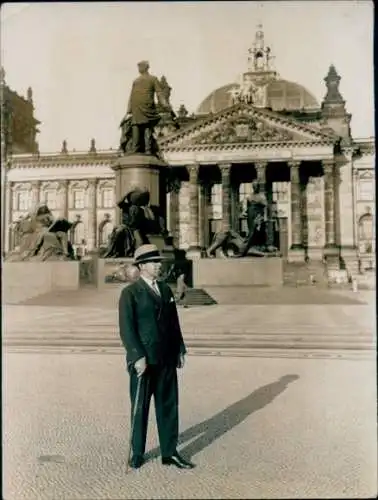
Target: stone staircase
column 195, row 297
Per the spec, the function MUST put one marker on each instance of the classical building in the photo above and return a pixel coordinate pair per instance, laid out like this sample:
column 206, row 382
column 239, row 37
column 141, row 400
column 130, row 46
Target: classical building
column 317, row 177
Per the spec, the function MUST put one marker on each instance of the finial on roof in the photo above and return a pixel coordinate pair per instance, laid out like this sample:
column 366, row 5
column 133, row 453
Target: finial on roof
column 182, row 111
column 64, row 147
column 29, row 94
column 259, row 56
column 332, row 82
column 92, row 149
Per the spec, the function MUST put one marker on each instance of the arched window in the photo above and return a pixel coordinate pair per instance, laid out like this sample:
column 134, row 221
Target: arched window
column 365, row 233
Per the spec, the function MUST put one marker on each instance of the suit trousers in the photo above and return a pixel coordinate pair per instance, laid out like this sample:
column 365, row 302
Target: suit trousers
column 159, row 381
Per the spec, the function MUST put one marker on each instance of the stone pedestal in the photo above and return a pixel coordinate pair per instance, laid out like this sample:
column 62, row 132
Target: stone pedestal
column 247, row 271
column 140, row 171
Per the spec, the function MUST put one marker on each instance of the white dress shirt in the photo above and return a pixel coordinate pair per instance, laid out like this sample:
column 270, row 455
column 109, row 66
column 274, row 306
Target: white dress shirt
column 152, row 284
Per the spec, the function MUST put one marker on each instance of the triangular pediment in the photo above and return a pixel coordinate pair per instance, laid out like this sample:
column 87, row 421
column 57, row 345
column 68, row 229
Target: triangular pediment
column 243, row 124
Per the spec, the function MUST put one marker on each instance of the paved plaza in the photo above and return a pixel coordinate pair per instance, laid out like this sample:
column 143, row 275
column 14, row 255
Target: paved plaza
column 256, row 428
column 266, row 415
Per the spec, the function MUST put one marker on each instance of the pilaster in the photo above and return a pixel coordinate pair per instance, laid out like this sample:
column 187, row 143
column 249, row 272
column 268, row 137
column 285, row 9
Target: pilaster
column 8, row 217
column 63, row 191
column 329, row 207
column 36, row 189
column 92, row 214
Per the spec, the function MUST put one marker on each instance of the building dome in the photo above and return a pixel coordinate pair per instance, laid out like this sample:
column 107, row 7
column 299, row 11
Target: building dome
column 281, row 95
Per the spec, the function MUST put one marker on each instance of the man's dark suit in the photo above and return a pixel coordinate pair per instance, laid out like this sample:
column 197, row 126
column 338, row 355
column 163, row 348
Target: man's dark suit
column 149, row 327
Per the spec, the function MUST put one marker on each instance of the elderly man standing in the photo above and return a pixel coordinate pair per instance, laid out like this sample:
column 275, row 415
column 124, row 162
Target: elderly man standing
column 151, row 333
column 142, row 109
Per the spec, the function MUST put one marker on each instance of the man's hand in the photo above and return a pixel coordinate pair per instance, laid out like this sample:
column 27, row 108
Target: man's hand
column 140, row 366
column 181, row 361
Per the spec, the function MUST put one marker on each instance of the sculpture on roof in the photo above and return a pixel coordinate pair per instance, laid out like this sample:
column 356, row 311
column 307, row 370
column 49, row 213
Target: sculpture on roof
column 137, row 127
column 42, row 237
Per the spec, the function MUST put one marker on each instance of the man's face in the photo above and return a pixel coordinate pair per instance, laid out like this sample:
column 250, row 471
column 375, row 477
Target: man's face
column 151, row 269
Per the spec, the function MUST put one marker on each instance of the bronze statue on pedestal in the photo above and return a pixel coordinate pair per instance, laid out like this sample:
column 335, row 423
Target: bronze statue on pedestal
column 139, row 219
column 142, row 113
column 256, row 242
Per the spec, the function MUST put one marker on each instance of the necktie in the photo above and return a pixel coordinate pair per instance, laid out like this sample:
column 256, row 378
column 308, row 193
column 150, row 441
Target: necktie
column 155, row 287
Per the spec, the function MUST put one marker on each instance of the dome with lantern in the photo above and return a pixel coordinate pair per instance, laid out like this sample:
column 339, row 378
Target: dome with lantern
column 274, row 93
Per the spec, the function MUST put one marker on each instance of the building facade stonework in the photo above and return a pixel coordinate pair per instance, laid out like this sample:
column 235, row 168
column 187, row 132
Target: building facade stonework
column 316, row 176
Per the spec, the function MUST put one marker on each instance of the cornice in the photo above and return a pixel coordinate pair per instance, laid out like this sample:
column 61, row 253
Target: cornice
column 65, row 160
column 247, row 146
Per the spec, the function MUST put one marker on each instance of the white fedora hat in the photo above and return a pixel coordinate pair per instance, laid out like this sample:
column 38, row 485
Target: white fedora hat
column 147, row 253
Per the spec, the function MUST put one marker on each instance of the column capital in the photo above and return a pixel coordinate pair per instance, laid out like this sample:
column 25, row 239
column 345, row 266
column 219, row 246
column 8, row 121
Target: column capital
column 294, row 163
column 225, row 169
column 260, row 167
column 328, row 166
column 261, row 164
column 294, row 171
column 35, row 184
column 193, row 170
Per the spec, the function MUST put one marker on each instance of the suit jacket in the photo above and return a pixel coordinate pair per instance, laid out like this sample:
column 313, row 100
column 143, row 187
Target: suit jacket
column 149, row 325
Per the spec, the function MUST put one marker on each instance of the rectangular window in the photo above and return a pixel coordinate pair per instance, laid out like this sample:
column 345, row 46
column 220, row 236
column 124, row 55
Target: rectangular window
column 245, row 189
column 78, row 199
column 22, row 200
column 280, row 191
column 366, row 190
column 107, row 198
column 50, row 199
column 216, row 201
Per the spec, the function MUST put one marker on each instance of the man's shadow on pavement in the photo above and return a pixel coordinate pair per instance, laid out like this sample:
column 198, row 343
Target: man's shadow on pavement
column 211, row 429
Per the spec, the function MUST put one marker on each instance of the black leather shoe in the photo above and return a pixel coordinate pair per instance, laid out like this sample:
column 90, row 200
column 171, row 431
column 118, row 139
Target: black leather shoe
column 178, row 461
column 136, row 461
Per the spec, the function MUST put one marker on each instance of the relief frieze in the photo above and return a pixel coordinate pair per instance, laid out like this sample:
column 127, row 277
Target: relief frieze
column 243, row 129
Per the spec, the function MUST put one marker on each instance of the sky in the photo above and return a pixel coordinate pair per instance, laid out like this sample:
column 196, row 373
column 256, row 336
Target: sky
column 80, row 58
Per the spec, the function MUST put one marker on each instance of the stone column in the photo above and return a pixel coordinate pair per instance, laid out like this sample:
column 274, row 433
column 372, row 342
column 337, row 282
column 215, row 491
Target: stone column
column 296, row 250
column 202, row 214
column 329, row 203
column 261, row 175
column 173, row 209
column 63, row 188
column 269, row 199
column 92, row 214
column 225, row 169
column 194, row 250
column 36, row 187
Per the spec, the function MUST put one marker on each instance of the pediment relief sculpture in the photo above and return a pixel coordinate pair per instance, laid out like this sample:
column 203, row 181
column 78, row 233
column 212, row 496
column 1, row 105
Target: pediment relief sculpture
column 241, row 130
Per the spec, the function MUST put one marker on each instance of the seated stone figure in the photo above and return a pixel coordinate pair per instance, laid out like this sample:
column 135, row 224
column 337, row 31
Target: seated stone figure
column 139, row 219
column 41, row 237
